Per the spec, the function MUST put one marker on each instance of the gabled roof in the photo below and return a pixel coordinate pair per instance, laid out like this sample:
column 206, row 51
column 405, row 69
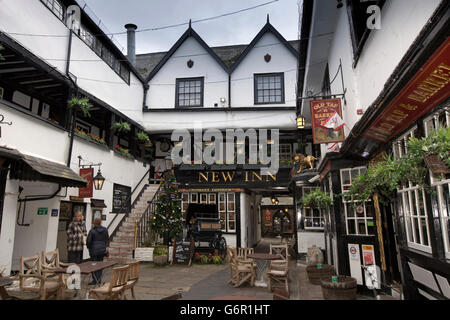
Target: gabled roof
column 146, row 62
column 189, row 33
column 267, row 28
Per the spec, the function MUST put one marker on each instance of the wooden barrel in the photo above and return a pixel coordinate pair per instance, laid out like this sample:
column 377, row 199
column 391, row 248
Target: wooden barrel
column 344, row 289
column 315, row 274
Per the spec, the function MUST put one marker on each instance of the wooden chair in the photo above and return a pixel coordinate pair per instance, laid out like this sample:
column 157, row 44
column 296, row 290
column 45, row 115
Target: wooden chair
column 241, row 271
column 231, row 256
column 113, row 290
column 50, row 261
column 279, row 294
column 279, row 274
column 281, row 249
column 31, row 271
column 132, row 280
column 243, row 253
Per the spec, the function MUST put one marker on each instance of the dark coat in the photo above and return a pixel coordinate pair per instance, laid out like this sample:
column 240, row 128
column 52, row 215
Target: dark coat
column 97, row 241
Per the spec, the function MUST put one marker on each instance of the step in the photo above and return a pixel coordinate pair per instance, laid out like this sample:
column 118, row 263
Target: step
column 121, row 246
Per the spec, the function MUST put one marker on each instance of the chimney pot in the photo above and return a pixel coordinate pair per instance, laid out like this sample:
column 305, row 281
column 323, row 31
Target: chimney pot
column 131, row 42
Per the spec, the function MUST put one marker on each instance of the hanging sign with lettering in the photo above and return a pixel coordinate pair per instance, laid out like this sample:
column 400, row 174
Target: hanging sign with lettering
column 321, row 112
column 429, row 87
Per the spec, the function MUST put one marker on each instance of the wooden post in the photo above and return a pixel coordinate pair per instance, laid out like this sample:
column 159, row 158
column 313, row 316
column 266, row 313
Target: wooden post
column 173, row 252
column 379, row 230
column 192, row 251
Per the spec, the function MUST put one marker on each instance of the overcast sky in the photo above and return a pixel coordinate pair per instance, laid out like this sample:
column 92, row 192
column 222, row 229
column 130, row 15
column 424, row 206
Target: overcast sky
column 240, row 28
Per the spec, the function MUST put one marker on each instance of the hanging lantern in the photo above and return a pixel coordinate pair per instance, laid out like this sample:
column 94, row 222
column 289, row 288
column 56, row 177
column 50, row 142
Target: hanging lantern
column 301, row 122
column 99, row 180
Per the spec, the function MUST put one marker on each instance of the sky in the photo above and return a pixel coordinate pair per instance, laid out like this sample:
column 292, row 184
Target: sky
column 240, row 28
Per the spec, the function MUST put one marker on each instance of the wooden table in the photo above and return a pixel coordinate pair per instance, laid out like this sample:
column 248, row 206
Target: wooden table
column 85, row 270
column 4, row 282
column 262, row 260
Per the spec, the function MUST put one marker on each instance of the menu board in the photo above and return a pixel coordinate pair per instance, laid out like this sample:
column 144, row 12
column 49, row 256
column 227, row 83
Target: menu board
column 182, row 251
column 121, row 199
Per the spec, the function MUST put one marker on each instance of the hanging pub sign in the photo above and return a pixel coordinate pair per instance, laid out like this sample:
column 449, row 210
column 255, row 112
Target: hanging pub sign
column 88, row 175
column 322, row 111
column 429, row 87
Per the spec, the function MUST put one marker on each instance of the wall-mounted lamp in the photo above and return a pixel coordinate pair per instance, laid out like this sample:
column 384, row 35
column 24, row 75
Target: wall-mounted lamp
column 301, row 121
column 98, row 180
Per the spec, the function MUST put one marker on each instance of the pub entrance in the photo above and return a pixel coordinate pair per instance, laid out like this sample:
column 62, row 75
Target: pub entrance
column 67, row 210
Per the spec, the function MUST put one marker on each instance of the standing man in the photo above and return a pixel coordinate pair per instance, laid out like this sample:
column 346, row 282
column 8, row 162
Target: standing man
column 97, row 242
column 76, row 238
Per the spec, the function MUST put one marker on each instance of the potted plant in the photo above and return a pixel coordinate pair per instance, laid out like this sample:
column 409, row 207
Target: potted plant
column 123, row 151
column 121, row 127
column 160, row 256
column 317, row 199
column 434, row 149
column 80, row 104
column 386, row 177
column 144, row 139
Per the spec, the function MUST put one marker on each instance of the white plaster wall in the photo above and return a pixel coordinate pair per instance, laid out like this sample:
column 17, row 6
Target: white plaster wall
column 99, row 79
column 309, row 239
column 161, row 93
column 34, row 137
column 33, row 17
column 41, row 233
column 242, row 81
column 7, row 232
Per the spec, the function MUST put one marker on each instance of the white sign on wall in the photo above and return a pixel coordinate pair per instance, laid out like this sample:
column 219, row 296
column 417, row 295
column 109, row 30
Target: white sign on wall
column 355, row 262
column 372, row 273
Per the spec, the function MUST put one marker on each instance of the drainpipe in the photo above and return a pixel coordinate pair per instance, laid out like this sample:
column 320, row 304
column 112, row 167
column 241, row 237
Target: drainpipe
column 39, row 198
column 146, row 87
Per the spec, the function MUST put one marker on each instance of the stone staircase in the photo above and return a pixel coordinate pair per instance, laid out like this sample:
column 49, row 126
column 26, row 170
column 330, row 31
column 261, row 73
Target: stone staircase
column 121, row 245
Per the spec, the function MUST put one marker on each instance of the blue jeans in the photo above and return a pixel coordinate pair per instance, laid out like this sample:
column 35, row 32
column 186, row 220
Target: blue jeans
column 97, row 275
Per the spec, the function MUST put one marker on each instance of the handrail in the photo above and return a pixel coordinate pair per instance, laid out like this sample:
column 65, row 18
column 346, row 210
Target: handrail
column 128, row 199
column 141, row 234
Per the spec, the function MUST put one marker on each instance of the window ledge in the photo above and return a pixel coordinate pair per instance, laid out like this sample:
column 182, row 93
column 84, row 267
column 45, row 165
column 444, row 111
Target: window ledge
column 221, row 109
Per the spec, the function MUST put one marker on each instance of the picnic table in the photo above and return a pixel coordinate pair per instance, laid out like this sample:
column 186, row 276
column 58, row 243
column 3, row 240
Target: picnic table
column 85, row 270
column 262, row 260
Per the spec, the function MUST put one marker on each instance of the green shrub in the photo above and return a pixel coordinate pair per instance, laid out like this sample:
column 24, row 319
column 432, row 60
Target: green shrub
column 160, row 251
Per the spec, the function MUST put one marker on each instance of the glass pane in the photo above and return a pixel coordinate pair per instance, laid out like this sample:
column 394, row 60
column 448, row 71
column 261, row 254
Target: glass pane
column 232, row 216
column 350, row 210
column 316, row 213
column 345, row 177
column 416, row 228
column 355, row 173
column 351, row 226
column 362, row 227
column 424, row 232
column 231, row 225
column 231, row 197
column 370, row 227
column 308, row 223
column 410, row 232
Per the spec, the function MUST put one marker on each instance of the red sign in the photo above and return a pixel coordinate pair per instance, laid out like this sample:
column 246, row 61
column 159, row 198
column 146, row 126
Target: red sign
column 321, row 111
column 88, row 175
column 429, row 87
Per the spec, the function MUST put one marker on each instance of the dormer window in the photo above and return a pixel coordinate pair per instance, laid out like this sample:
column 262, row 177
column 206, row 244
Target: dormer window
column 189, row 92
column 269, row 88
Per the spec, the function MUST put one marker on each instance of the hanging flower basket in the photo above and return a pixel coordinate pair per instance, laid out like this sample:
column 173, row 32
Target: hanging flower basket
column 436, row 165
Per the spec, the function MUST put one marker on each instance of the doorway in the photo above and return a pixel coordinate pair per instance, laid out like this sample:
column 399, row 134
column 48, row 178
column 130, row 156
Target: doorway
column 66, row 211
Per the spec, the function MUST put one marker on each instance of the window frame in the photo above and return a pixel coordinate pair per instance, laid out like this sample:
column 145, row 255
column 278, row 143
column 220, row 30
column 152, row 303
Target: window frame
column 439, row 184
column 358, row 46
column 408, row 200
column 366, row 218
column 308, row 213
column 255, row 87
column 202, row 92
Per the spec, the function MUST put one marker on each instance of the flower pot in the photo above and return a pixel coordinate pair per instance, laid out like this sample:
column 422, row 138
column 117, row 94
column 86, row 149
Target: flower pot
column 436, row 165
column 344, row 289
column 160, row 260
column 315, row 274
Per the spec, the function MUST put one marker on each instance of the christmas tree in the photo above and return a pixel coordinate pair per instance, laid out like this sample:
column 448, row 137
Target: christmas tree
column 168, row 219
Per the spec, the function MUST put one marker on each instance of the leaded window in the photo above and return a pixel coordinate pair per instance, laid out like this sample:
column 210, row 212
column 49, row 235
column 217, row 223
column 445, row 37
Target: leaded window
column 189, row 92
column 269, row 88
